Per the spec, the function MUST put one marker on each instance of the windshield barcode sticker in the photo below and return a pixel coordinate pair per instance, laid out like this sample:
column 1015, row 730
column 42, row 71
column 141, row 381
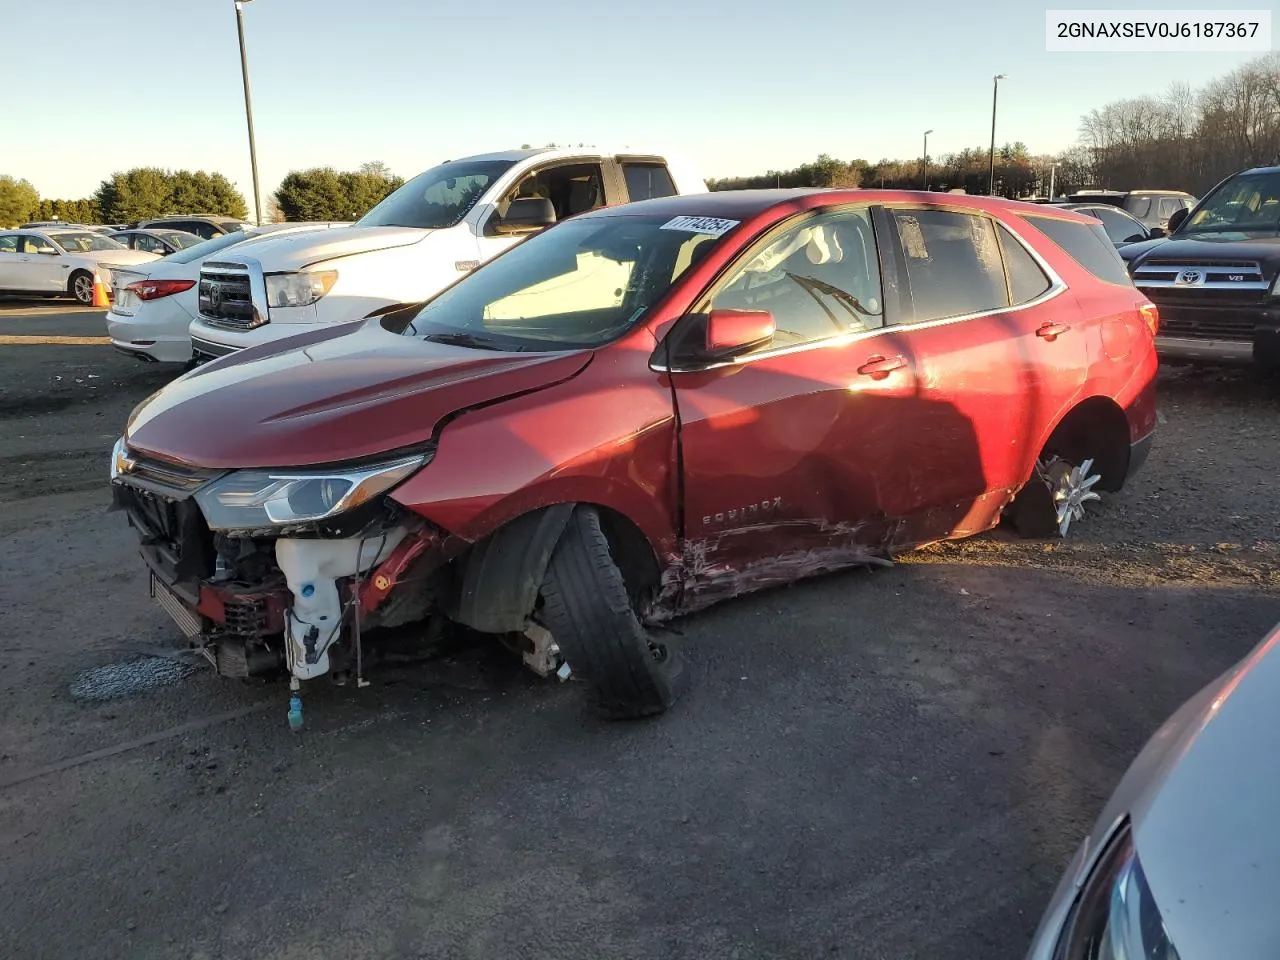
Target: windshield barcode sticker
column 712, row 226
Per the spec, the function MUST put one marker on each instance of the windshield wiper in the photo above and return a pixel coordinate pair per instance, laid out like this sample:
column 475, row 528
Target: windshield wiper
column 843, row 296
column 466, row 340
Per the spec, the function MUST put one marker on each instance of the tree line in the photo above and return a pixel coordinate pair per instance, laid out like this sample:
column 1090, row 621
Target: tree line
column 1182, row 140
column 321, row 193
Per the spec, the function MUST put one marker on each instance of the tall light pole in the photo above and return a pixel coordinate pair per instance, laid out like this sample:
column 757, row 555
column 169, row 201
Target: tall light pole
column 995, row 93
column 1053, row 169
column 248, row 107
column 924, row 167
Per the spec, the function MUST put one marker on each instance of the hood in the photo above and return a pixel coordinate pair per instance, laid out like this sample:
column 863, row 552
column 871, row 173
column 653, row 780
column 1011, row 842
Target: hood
column 339, row 393
column 1132, row 251
column 124, row 258
column 1208, row 246
column 1207, row 832
column 293, row 251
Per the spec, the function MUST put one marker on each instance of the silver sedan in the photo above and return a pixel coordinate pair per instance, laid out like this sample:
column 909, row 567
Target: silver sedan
column 1184, row 863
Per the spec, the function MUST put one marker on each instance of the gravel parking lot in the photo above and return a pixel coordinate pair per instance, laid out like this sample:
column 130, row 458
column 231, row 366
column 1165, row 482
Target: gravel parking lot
column 888, row 764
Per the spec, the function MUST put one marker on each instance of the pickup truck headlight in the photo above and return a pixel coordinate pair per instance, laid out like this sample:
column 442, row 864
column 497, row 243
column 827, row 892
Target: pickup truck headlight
column 257, row 499
column 299, row 289
column 1116, row 917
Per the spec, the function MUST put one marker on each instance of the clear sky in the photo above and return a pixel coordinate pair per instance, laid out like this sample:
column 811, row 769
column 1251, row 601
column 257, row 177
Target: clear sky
column 741, row 86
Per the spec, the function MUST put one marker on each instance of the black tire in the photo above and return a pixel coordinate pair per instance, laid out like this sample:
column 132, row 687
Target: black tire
column 1032, row 512
column 586, row 607
column 80, row 286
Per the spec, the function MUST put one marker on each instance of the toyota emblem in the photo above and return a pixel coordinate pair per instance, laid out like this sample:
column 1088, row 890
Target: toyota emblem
column 1190, row 277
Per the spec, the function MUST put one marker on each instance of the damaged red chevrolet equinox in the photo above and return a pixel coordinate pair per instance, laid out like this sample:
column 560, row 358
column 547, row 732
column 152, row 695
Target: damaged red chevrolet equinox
column 639, row 412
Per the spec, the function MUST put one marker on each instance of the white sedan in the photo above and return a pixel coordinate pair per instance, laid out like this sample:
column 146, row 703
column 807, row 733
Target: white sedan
column 61, row 261
column 152, row 308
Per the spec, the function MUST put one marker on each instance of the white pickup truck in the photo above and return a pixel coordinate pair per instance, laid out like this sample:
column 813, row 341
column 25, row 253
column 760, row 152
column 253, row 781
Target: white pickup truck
column 419, row 240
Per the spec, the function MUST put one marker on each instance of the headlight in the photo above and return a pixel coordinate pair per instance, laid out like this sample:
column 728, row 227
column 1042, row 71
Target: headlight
column 299, row 289
column 120, row 461
column 1275, row 285
column 1116, row 917
column 254, row 499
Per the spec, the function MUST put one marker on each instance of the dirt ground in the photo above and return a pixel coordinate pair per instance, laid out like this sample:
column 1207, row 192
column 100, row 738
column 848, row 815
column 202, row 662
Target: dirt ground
column 888, row 764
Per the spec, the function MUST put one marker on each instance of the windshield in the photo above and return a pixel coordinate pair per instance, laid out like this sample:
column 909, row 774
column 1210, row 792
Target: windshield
column 580, row 284
column 206, row 247
column 1246, row 204
column 180, row 240
column 83, row 242
column 438, row 198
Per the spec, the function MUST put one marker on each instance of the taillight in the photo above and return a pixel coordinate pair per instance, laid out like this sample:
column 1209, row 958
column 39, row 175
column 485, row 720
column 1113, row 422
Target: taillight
column 1151, row 315
column 155, row 289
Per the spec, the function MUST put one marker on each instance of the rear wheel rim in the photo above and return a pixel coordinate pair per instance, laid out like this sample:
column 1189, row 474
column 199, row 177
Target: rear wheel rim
column 84, row 289
column 1072, row 487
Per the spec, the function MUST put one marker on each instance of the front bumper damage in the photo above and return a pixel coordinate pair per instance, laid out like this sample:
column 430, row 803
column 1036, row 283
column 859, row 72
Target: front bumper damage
column 263, row 606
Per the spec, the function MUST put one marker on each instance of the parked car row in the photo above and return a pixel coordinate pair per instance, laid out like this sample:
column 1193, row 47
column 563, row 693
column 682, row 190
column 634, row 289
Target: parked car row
column 61, row 260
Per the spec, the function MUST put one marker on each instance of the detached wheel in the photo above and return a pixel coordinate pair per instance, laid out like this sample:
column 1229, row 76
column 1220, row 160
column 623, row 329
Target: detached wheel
column 587, row 608
column 80, row 286
column 1054, row 498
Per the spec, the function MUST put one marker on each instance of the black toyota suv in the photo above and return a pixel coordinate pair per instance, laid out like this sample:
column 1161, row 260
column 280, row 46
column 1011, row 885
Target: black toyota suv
column 1216, row 277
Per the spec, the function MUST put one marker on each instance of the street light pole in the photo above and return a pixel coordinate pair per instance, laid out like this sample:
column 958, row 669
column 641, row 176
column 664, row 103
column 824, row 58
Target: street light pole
column 995, row 93
column 924, row 167
column 248, row 107
column 1053, row 169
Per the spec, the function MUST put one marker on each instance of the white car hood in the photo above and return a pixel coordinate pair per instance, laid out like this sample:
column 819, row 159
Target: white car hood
column 293, row 251
column 1206, row 827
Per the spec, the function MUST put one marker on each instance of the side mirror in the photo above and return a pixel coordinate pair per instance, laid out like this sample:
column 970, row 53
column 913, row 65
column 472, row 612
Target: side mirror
column 731, row 333
column 526, row 215
column 1176, row 220
column 47, row 251
column 1156, row 232
column 701, row 339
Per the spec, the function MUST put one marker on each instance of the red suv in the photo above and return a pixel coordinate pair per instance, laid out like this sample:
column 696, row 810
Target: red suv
column 639, row 412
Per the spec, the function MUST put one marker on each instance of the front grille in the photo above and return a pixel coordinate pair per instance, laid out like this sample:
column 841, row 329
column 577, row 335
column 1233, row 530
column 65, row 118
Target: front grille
column 1242, row 279
column 168, row 479
column 1207, row 323
column 175, row 540
column 225, row 296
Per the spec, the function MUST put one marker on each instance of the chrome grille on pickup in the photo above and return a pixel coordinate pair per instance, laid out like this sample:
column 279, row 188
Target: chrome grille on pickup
column 1242, row 279
column 225, row 296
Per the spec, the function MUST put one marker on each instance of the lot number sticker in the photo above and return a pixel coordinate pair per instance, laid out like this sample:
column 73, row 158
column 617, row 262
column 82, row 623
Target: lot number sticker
column 712, row 226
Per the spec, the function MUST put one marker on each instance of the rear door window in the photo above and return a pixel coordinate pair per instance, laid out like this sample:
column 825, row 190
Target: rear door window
column 953, row 263
column 1169, row 206
column 1139, row 206
column 1120, row 229
column 645, row 181
column 9, row 244
column 1026, row 280
column 1087, row 244
column 142, row 241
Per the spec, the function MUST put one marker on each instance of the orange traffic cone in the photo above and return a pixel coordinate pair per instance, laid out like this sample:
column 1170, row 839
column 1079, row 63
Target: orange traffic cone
column 100, row 298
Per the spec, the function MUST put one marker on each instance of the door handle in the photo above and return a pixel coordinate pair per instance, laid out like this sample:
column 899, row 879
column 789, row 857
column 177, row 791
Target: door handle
column 1052, row 331
column 880, row 367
